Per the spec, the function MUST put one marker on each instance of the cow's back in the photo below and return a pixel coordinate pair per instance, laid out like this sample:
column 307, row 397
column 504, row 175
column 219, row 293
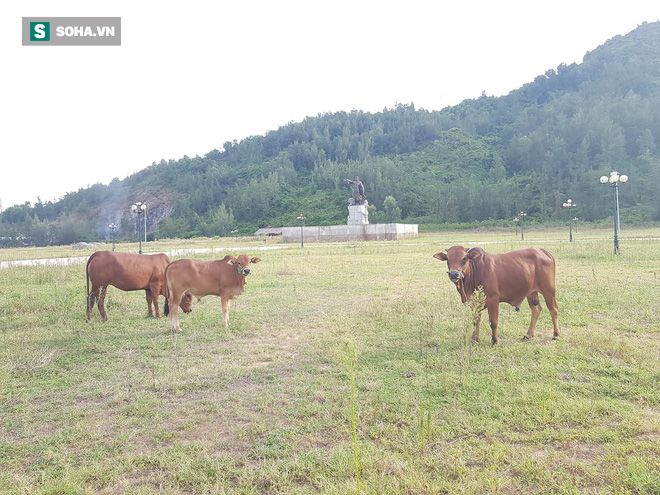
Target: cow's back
column 521, row 272
column 528, row 258
column 536, row 261
column 199, row 277
column 126, row 271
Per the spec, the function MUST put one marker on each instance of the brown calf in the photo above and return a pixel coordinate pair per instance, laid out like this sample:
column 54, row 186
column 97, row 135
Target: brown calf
column 225, row 278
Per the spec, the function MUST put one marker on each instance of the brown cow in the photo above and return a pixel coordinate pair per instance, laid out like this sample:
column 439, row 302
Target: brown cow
column 225, row 278
column 127, row 272
column 509, row 277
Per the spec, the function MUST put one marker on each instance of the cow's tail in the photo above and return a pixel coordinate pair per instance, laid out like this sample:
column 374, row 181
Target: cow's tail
column 87, row 277
column 88, row 305
column 168, row 295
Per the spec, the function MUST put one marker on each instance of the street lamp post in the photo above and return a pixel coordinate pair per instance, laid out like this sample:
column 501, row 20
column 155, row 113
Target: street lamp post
column 522, row 228
column 113, row 227
column 573, row 220
column 139, row 208
column 302, row 219
column 569, row 204
column 145, row 224
column 615, row 179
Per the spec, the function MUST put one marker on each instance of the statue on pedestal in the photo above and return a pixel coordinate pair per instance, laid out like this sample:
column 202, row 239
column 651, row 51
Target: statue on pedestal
column 359, row 197
column 358, row 214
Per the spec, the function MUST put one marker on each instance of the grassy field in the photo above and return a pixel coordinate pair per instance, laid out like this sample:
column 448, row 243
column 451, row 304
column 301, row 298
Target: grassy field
column 347, row 369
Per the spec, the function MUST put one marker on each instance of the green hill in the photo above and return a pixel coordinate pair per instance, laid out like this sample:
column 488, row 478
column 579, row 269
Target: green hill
column 484, row 159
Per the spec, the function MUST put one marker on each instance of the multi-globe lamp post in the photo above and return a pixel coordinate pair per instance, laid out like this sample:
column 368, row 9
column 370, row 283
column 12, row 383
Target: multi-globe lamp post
column 113, row 227
column 568, row 205
column 139, row 208
column 615, row 179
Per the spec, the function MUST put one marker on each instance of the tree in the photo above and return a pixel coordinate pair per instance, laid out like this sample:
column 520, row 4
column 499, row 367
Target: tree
column 391, row 210
column 645, row 143
column 219, row 222
column 486, row 158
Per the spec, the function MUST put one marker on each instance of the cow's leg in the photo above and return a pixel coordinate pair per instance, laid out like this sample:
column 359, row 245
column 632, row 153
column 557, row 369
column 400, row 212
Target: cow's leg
column 174, row 302
column 493, row 315
column 91, row 300
column 150, row 298
column 477, row 322
column 226, row 303
column 535, row 306
column 155, row 293
column 101, row 302
column 551, row 303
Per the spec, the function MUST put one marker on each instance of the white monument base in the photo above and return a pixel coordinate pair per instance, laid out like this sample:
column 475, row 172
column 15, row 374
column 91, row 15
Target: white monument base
column 358, row 215
column 365, row 232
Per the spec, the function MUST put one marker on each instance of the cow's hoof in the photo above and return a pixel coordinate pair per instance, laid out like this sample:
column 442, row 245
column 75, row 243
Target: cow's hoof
column 556, row 337
column 495, row 342
column 525, row 338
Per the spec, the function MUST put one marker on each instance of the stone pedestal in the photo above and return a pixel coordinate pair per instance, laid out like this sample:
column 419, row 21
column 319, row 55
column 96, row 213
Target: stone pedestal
column 358, row 215
column 338, row 233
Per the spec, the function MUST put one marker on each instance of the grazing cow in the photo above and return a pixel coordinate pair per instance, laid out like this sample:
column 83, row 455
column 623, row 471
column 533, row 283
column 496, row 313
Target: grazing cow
column 127, row 272
column 225, row 278
column 509, row 277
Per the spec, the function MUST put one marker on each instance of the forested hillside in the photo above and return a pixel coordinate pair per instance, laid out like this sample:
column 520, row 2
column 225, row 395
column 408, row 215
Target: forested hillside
column 484, row 159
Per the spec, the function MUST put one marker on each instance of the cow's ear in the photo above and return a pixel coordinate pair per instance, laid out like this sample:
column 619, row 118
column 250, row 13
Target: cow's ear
column 474, row 253
column 255, row 260
column 231, row 261
column 440, row 256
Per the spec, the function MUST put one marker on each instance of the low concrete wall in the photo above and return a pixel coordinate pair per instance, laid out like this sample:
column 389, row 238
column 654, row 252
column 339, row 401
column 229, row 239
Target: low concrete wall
column 369, row 232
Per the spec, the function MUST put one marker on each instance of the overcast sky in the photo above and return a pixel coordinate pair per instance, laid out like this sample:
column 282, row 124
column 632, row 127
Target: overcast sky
column 190, row 76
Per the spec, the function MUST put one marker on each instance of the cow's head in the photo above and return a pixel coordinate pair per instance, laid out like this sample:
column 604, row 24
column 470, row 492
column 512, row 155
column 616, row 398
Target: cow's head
column 458, row 261
column 242, row 263
column 186, row 302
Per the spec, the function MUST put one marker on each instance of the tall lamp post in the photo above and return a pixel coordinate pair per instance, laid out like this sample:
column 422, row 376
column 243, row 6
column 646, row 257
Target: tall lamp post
column 574, row 223
column 302, row 219
column 522, row 215
column 139, row 208
column 568, row 205
column 145, row 224
column 615, row 179
column 113, row 227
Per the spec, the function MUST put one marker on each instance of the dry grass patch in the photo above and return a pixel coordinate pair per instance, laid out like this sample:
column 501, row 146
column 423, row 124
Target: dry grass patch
column 265, row 406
